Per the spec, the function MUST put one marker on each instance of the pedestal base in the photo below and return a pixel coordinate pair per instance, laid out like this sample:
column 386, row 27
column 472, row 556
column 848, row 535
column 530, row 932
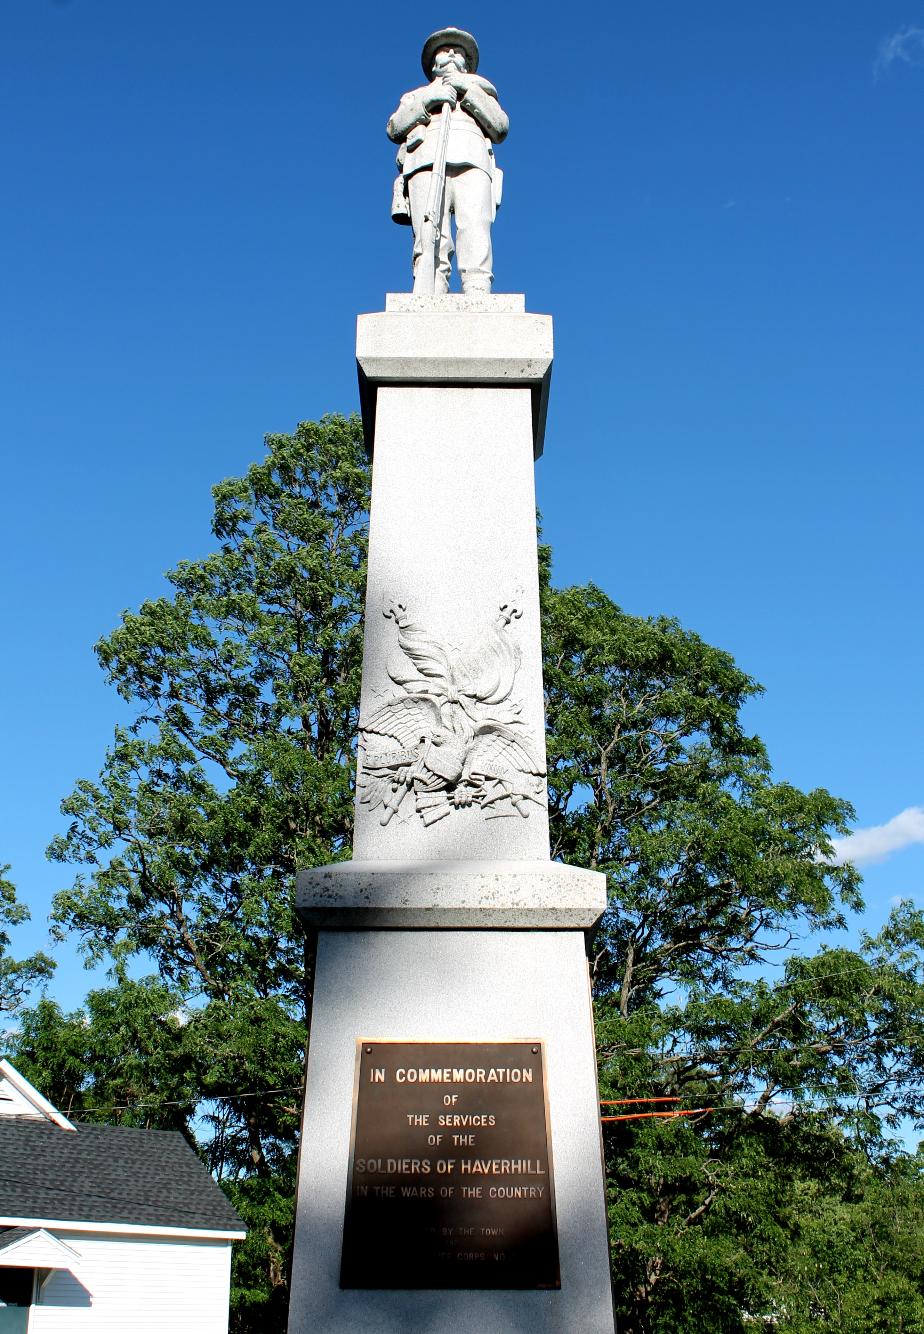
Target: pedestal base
column 452, row 986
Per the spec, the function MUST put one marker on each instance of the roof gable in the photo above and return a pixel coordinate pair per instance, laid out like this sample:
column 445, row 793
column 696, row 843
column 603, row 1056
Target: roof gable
column 34, row 1248
column 19, row 1098
column 108, row 1175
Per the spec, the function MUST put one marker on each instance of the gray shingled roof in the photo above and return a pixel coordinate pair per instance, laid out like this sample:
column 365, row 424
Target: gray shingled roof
column 107, row 1174
column 13, row 1234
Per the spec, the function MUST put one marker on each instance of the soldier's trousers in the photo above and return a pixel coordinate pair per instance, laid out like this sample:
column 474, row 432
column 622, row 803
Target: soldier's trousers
column 470, row 201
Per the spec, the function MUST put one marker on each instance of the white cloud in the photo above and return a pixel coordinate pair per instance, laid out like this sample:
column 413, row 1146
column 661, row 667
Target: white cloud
column 906, row 46
column 865, row 846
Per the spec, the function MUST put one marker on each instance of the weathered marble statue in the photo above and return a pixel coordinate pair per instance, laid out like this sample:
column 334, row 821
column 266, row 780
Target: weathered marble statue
column 446, row 131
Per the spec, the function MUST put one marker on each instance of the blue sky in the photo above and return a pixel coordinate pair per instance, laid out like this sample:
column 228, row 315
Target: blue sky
column 721, row 204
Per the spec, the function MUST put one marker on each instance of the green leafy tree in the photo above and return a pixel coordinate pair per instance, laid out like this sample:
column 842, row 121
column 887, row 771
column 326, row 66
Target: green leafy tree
column 714, row 870
column 856, row 1262
column 238, row 769
column 18, row 977
column 121, row 1056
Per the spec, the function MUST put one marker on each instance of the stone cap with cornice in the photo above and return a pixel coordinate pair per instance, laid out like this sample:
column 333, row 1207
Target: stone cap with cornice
column 471, row 895
column 467, row 339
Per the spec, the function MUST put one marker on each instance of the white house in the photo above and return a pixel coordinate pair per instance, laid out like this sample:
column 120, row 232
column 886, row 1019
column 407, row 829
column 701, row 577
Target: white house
column 104, row 1228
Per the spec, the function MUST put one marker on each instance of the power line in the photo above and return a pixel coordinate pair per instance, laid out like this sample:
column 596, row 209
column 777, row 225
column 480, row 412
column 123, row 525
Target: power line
column 625, row 1102
column 812, row 983
column 703, row 1054
column 298, row 1088
column 713, row 1053
column 643, row 1116
column 188, row 1102
column 676, row 1113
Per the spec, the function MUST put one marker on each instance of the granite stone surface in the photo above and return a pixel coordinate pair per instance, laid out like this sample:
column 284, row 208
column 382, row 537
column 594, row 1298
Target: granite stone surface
column 485, row 303
column 469, row 339
column 452, row 540
column 490, row 895
column 457, row 986
column 432, row 345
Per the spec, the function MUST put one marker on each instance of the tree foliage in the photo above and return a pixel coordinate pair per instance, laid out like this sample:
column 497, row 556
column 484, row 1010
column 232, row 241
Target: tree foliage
column 17, row 976
column 238, row 768
column 705, row 988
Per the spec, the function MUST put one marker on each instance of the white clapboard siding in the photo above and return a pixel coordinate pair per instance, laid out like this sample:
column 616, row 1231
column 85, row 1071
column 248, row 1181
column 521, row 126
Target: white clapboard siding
column 136, row 1285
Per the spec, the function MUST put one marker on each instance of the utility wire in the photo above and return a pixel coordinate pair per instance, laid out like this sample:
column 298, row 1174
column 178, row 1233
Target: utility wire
column 713, row 1053
column 642, row 1116
column 82, row 1112
column 813, row 983
column 703, row 1054
column 187, row 1102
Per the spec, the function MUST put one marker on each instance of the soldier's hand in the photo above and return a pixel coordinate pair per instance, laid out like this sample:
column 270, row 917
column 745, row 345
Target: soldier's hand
column 460, row 82
column 438, row 95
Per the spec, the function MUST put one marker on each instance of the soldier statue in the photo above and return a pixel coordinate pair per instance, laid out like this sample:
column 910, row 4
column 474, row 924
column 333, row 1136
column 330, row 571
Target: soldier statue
column 446, row 131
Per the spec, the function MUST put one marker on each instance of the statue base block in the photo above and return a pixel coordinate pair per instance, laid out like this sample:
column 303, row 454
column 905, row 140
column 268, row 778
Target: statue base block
column 477, row 987
column 480, row 339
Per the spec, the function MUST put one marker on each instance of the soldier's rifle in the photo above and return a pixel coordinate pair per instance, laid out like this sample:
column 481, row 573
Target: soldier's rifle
column 431, row 233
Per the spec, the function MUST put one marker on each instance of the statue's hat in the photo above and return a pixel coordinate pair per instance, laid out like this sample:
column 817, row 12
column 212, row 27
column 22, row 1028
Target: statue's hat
column 449, row 37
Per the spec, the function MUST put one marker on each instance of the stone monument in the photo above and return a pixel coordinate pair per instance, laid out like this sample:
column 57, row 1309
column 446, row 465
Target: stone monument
column 450, row 1172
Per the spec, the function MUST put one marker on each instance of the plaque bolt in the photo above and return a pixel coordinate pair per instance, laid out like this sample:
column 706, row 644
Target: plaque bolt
column 535, row 1051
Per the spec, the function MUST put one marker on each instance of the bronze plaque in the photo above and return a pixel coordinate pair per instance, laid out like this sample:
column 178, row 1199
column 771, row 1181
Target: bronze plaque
column 450, row 1170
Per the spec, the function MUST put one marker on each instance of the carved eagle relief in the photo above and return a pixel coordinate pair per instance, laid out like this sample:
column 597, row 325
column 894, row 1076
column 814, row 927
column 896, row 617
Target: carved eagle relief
column 456, row 735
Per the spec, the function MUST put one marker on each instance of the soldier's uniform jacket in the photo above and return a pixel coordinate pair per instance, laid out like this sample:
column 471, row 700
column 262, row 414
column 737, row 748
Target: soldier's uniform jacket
column 477, row 123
